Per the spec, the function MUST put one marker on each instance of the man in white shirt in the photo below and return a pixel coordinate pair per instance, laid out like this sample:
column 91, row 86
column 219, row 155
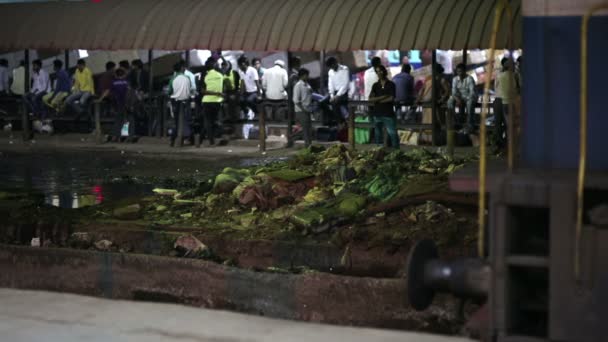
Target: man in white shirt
column 502, row 87
column 338, row 84
column 18, row 86
column 370, row 77
column 4, row 77
column 41, row 84
column 180, row 98
column 275, row 81
column 251, row 86
column 275, row 84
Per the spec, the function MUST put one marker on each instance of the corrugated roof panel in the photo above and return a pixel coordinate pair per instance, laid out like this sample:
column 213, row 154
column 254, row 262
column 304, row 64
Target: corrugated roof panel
column 480, row 24
column 24, row 31
column 258, row 25
column 261, row 32
column 463, row 30
column 315, row 26
column 104, row 29
column 192, row 25
column 413, row 26
column 284, row 25
column 429, row 23
column 291, row 18
column 148, row 15
column 334, row 34
column 395, row 36
column 453, row 22
column 444, row 13
column 396, row 14
column 326, row 25
column 220, row 13
column 118, row 31
column 169, row 19
column 237, row 31
column 252, row 24
column 307, row 26
column 380, row 20
column 518, row 28
column 351, row 37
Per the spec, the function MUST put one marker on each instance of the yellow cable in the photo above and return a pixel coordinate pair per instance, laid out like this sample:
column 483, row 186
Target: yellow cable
column 582, row 165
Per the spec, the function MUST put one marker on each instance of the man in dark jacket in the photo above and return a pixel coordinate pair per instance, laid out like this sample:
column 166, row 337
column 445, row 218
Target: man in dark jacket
column 383, row 111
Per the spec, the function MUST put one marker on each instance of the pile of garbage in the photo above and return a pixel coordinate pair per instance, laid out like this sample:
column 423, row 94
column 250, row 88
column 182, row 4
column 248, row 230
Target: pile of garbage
column 316, row 190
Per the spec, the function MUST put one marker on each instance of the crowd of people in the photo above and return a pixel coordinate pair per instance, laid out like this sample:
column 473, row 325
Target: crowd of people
column 221, row 91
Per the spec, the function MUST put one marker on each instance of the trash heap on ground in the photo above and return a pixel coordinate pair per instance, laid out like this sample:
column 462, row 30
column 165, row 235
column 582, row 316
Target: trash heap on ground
column 315, row 192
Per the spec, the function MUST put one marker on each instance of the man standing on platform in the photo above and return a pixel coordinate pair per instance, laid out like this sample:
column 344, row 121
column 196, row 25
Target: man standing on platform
column 370, row 77
column 251, row 86
column 213, row 96
column 275, row 84
column 382, row 96
column 405, row 95
column 180, row 96
column 338, row 83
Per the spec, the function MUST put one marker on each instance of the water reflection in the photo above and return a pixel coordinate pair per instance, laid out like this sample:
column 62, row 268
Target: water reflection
column 79, row 179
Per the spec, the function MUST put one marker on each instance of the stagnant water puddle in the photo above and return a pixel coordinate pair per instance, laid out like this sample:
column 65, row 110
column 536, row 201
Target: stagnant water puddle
column 79, row 179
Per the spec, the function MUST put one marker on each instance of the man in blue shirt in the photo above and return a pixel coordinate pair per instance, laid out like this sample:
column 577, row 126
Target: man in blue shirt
column 62, row 87
column 404, row 89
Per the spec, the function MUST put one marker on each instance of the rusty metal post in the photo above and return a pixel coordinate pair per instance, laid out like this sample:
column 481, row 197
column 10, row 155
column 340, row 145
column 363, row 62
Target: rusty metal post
column 435, row 108
column 180, row 125
column 322, row 77
column 290, row 107
column 97, row 111
column 351, row 127
column 449, row 123
column 187, row 58
column 66, row 57
column 151, row 100
column 290, row 119
column 262, row 120
column 25, row 120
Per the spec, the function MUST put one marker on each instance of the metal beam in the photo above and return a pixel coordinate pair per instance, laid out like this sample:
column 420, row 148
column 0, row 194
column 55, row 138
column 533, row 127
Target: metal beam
column 25, row 122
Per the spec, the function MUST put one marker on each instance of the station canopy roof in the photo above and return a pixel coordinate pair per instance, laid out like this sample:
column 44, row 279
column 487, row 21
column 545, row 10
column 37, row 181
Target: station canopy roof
column 255, row 25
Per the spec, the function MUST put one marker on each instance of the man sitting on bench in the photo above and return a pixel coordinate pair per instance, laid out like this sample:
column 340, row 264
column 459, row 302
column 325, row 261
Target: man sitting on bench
column 55, row 98
column 463, row 94
column 82, row 89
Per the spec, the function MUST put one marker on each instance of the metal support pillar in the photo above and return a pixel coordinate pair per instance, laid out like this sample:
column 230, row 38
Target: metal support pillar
column 351, row 127
column 435, row 108
column 290, row 108
column 97, row 111
column 322, row 77
column 66, row 57
column 151, row 100
column 180, row 125
column 262, row 117
column 187, row 58
column 25, row 120
column 449, row 123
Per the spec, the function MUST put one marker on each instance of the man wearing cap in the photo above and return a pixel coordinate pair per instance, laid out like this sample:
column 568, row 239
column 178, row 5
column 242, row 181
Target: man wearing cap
column 275, row 83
